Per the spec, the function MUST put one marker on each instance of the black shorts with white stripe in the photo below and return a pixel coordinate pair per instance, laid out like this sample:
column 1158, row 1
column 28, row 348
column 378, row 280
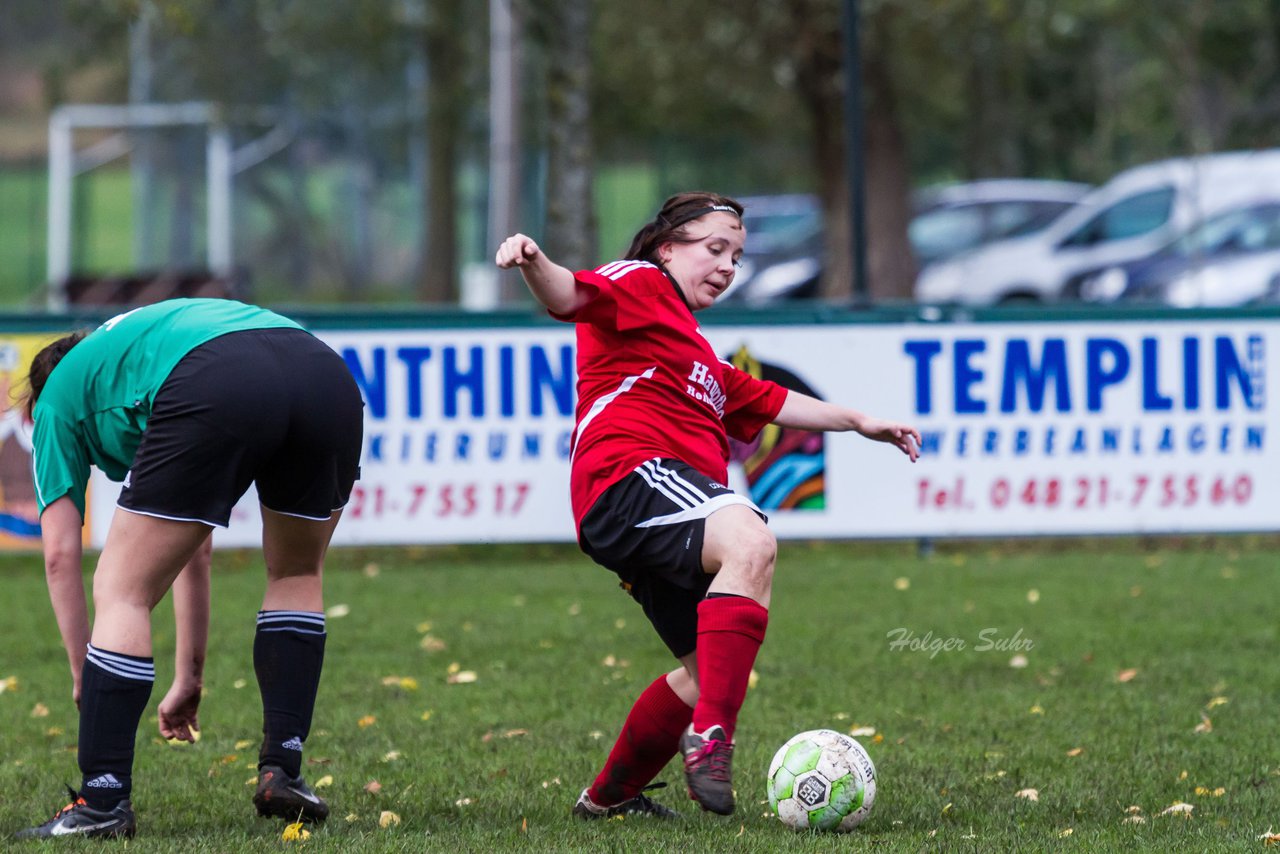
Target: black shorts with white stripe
column 648, row 528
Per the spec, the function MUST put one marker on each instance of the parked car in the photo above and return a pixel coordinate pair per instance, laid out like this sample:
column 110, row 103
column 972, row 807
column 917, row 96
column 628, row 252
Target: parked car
column 1229, row 259
column 783, row 259
column 955, row 218
column 1129, row 217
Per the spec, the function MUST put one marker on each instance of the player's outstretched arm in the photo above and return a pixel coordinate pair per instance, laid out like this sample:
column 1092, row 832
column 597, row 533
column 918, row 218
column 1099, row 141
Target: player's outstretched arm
column 552, row 285
column 803, row 412
column 60, row 525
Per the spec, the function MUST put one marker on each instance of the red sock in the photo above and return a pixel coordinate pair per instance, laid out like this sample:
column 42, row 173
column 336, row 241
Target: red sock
column 649, row 738
column 730, row 631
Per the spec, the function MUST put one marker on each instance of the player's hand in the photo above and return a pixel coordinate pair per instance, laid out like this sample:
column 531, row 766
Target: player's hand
column 902, row 436
column 516, row 251
column 178, row 713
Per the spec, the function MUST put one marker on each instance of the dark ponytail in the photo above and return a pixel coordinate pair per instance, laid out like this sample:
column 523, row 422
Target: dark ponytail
column 671, row 223
column 43, row 364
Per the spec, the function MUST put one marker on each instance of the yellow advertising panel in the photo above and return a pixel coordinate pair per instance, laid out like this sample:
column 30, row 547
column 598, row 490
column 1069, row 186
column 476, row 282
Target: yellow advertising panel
column 19, row 520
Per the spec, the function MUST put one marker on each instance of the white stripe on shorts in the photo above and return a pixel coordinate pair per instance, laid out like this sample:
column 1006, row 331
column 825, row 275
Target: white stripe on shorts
column 680, row 491
column 702, row 511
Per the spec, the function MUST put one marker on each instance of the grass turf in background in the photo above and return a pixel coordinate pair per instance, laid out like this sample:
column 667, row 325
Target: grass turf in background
column 1148, row 682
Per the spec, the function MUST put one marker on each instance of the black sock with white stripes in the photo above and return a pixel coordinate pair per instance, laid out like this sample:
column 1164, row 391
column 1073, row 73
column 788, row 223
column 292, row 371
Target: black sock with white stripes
column 114, row 690
column 288, row 651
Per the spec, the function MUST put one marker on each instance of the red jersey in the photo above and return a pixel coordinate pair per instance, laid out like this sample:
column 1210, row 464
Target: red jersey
column 650, row 385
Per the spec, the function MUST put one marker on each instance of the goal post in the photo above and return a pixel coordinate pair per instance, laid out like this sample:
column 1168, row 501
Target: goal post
column 65, row 163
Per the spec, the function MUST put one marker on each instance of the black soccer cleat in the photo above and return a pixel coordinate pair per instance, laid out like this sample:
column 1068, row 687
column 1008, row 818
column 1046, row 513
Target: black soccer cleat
column 281, row 796
column 640, row 805
column 708, row 768
column 79, row 819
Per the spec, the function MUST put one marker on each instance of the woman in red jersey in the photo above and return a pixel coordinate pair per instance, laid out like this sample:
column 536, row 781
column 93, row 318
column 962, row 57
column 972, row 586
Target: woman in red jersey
column 656, row 406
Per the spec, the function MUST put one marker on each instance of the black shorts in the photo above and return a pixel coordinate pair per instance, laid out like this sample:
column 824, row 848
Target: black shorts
column 275, row 407
column 648, row 528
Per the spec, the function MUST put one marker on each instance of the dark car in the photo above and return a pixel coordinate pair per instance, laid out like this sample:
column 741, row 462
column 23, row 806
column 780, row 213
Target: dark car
column 1180, row 272
column 784, row 249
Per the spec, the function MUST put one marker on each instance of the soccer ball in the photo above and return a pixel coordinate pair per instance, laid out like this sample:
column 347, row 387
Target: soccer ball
column 822, row 780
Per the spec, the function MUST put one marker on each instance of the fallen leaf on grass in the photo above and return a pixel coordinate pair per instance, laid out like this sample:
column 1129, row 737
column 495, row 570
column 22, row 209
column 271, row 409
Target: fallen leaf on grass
column 239, row 683
column 1183, row 775
column 1037, row 709
column 1033, row 596
column 1135, row 819
column 546, row 784
column 40, row 710
column 1075, row 751
column 406, row 683
column 243, row 743
column 524, row 824
column 388, row 818
column 391, row 756
column 1126, row 675
column 1133, row 810
column 373, row 787
column 462, row 802
column 901, row 583
column 53, row 730
column 352, row 817
column 1062, row 834
column 862, row 731
column 372, row 570
column 338, row 611
column 426, row 716
column 366, row 721
column 324, row 782
column 431, row 643
column 1205, row 724
column 1178, row 809
column 1018, row 662
column 1216, row 701
column 9, row 683
column 1215, row 793
column 753, row 679
column 1029, row 794
column 295, row 833
column 462, row 677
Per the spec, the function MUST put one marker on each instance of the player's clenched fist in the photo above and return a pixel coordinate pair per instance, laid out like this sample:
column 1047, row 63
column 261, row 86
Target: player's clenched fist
column 515, row 251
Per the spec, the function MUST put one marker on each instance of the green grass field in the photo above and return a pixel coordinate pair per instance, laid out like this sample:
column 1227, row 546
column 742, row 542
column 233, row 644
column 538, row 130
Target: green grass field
column 1130, row 648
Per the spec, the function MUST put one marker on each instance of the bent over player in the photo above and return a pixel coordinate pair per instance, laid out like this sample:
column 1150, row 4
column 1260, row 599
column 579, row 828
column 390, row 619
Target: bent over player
column 650, row 453
column 188, row 402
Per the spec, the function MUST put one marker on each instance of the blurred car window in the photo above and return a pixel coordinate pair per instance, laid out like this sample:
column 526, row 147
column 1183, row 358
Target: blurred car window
column 1131, row 217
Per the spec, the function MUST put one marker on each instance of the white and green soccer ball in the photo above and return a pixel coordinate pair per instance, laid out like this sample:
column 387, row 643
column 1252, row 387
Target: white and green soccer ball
column 822, row 780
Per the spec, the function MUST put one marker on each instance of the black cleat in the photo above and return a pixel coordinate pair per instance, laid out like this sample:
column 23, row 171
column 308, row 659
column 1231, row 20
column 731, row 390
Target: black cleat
column 708, row 768
column 282, row 796
column 79, row 819
column 639, row 805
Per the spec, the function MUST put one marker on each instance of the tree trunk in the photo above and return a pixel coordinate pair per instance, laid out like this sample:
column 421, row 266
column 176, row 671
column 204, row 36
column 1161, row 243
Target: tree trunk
column 571, row 222
column 820, row 81
column 890, row 261
column 438, row 283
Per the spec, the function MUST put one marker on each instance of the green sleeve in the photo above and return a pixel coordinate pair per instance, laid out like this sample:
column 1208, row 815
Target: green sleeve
column 61, row 466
